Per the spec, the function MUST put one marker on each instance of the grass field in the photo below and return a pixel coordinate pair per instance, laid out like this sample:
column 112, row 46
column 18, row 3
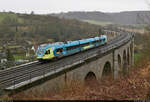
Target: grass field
column 101, row 23
column 10, row 15
column 11, row 47
column 4, row 15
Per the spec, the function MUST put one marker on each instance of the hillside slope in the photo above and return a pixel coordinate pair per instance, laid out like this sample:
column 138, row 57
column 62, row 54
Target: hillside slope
column 42, row 28
column 130, row 17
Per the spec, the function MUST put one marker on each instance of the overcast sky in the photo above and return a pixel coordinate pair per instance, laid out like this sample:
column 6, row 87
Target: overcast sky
column 56, row 6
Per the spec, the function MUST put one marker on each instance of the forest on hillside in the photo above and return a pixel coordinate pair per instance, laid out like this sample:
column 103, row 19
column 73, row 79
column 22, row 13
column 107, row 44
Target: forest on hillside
column 42, row 28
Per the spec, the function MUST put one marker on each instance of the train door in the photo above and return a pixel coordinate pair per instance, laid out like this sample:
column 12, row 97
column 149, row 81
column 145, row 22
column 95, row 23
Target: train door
column 92, row 44
column 47, row 54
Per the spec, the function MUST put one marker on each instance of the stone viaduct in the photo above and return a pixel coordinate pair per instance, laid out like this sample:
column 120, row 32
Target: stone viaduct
column 117, row 61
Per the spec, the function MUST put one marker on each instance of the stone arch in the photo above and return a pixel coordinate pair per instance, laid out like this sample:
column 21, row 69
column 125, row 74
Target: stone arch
column 90, row 77
column 107, row 70
column 124, row 62
column 119, row 63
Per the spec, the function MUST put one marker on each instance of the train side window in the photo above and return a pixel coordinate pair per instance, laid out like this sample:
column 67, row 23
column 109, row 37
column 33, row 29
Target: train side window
column 58, row 51
column 73, row 47
column 86, row 44
column 94, row 42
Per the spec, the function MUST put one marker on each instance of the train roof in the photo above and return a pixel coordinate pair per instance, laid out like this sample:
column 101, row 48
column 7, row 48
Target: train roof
column 70, row 43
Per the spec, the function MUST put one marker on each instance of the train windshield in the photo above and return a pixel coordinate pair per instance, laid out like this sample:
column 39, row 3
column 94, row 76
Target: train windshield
column 47, row 52
column 41, row 50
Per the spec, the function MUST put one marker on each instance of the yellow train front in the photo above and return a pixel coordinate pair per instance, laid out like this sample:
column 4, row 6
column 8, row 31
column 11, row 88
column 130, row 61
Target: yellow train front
column 60, row 49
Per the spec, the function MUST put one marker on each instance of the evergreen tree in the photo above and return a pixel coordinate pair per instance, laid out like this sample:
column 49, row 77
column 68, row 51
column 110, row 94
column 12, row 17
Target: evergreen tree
column 9, row 55
column 10, row 58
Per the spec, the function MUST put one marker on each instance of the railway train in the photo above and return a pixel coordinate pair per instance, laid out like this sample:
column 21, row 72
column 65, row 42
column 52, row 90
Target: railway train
column 60, row 49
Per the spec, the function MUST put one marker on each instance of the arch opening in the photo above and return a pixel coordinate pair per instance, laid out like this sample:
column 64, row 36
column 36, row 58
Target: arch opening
column 90, row 78
column 107, row 69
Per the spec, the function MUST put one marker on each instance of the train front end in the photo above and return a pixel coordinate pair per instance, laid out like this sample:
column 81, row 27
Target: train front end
column 44, row 53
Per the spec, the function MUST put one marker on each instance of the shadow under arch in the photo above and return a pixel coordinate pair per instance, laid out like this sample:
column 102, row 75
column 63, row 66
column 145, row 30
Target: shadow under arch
column 107, row 69
column 90, row 78
column 119, row 63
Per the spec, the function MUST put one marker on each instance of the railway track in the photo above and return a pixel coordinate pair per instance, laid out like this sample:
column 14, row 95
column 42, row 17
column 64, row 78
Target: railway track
column 22, row 73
